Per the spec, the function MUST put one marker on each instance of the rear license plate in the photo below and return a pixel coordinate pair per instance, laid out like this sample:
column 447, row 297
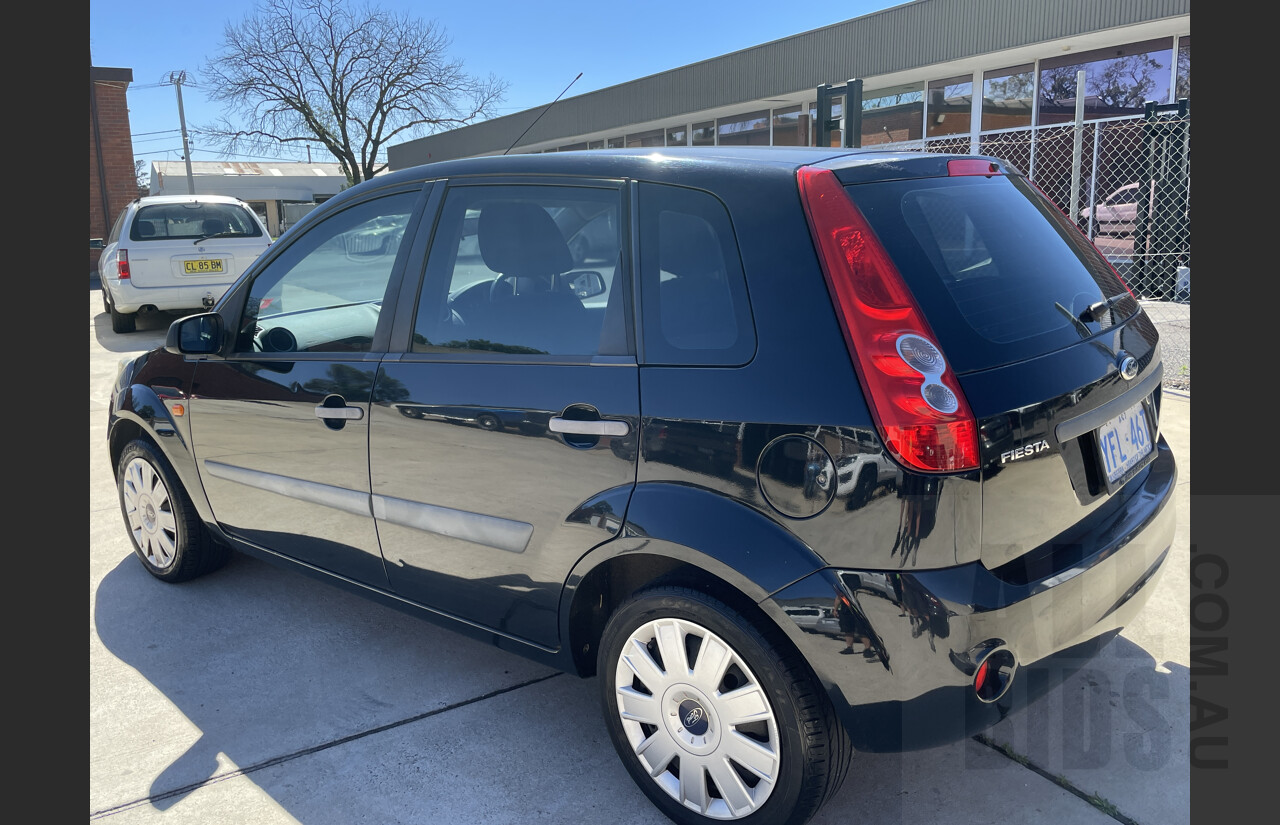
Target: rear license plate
column 1124, row 442
column 200, row 267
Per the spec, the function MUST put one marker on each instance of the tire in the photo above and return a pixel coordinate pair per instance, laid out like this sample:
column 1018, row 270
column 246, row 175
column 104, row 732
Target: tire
column 677, row 738
column 488, row 421
column 167, row 534
column 123, row 321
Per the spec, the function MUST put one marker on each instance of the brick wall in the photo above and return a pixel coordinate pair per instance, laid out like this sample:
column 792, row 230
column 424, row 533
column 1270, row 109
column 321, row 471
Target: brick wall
column 109, row 137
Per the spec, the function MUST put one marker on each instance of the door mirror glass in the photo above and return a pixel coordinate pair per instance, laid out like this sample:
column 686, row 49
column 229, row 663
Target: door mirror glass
column 195, row 335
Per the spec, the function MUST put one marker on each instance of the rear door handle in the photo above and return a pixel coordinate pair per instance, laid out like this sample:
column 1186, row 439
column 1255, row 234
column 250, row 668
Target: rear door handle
column 575, row 427
column 343, row 413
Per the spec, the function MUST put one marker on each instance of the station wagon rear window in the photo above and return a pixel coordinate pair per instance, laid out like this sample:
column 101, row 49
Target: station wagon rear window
column 190, row 221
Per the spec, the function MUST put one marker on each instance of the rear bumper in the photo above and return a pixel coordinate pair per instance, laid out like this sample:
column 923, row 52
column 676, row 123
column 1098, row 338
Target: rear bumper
column 929, row 629
column 129, row 298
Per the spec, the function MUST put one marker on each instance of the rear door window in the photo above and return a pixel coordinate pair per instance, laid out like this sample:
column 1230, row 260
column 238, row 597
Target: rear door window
column 1001, row 275
column 512, row 274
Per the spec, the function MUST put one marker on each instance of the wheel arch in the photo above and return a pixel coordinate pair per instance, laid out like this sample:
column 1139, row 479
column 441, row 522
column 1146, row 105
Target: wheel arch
column 142, row 414
column 683, row 535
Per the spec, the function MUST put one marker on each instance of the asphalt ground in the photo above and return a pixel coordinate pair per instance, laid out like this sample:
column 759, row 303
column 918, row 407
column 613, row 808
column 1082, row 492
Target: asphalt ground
column 257, row 695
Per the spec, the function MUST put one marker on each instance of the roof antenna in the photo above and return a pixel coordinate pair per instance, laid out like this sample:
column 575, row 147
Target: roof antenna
column 544, row 111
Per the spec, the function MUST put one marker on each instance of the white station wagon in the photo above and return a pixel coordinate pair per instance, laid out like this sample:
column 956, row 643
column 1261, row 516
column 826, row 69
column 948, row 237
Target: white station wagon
column 176, row 252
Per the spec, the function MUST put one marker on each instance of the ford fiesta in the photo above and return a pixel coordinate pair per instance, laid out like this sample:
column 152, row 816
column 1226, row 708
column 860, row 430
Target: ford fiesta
column 637, row 465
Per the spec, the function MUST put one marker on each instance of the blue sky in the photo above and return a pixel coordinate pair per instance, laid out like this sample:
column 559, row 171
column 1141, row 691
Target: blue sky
column 537, row 49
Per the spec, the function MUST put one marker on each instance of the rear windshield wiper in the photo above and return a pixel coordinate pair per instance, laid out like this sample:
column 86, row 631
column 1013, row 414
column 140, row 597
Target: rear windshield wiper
column 214, row 235
column 1071, row 316
column 1094, row 311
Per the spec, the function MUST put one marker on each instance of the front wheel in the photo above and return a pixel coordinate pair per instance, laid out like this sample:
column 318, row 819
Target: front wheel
column 167, row 533
column 714, row 719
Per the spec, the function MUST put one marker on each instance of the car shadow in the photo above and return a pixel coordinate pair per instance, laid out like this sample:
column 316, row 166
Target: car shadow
column 263, row 665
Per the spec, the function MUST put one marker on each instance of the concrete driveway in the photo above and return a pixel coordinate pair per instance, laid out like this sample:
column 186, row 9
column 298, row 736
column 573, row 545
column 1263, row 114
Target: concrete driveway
column 257, row 695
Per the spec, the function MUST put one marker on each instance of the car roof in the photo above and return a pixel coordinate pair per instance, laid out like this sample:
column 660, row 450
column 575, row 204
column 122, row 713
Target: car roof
column 150, row 200
column 659, row 164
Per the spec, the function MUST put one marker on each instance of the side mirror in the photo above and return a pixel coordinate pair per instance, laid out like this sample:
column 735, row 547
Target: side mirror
column 195, row 335
column 587, row 284
column 97, row 243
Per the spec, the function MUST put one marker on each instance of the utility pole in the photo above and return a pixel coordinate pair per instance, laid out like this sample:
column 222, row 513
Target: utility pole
column 177, row 79
column 308, row 153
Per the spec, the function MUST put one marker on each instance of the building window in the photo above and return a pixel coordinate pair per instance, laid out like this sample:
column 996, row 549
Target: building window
column 617, row 143
column 790, row 127
column 1118, row 81
column 595, row 144
column 950, row 106
column 653, row 137
column 750, row 129
column 1182, row 86
column 1007, row 97
column 704, row 134
column 678, row 135
column 573, row 147
column 893, row 115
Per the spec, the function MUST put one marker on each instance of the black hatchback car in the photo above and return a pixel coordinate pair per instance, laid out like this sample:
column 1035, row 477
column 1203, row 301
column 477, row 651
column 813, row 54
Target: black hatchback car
column 627, row 464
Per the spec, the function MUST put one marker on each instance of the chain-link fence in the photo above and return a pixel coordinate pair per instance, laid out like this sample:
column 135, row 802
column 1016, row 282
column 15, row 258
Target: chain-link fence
column 1127, row 183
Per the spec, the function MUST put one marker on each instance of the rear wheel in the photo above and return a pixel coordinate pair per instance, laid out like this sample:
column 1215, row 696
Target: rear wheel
column 167, row 533
column 122, row 321
column 714, row 719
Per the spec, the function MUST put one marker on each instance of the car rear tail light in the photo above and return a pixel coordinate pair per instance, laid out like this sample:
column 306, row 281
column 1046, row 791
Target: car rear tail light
column 122, row 264
column 918, row 405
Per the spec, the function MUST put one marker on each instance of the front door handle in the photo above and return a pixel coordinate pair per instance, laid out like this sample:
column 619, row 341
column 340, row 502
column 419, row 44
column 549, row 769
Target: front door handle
column 342, row 413
column 571, row 426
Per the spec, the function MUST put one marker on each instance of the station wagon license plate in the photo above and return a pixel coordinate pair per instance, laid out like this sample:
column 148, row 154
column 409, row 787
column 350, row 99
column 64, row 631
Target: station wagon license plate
column 1124, row 442
column 201, row 267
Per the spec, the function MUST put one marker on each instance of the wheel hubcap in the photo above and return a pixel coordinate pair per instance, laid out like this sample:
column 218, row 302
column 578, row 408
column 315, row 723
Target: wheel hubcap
column 697, row 718
column 149, row 511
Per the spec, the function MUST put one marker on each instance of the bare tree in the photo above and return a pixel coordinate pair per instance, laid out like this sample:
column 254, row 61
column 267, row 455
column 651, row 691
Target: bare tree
column 142, row 173
column 350, row 77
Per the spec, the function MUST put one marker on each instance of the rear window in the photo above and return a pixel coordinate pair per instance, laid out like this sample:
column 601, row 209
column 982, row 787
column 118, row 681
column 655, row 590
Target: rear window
column 189, row 221
column 999, row 272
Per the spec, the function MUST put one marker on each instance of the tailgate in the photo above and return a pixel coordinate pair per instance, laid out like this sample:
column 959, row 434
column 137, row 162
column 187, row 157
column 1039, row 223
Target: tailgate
column 181, row 263
column 1058, row 361
column 1063, row 435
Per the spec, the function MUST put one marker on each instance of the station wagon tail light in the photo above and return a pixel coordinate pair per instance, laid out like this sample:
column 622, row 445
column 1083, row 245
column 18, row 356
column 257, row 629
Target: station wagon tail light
column 122, row 264
column 918, row 405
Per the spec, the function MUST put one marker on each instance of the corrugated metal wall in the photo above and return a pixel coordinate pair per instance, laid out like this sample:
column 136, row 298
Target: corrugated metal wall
column 896, row 39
